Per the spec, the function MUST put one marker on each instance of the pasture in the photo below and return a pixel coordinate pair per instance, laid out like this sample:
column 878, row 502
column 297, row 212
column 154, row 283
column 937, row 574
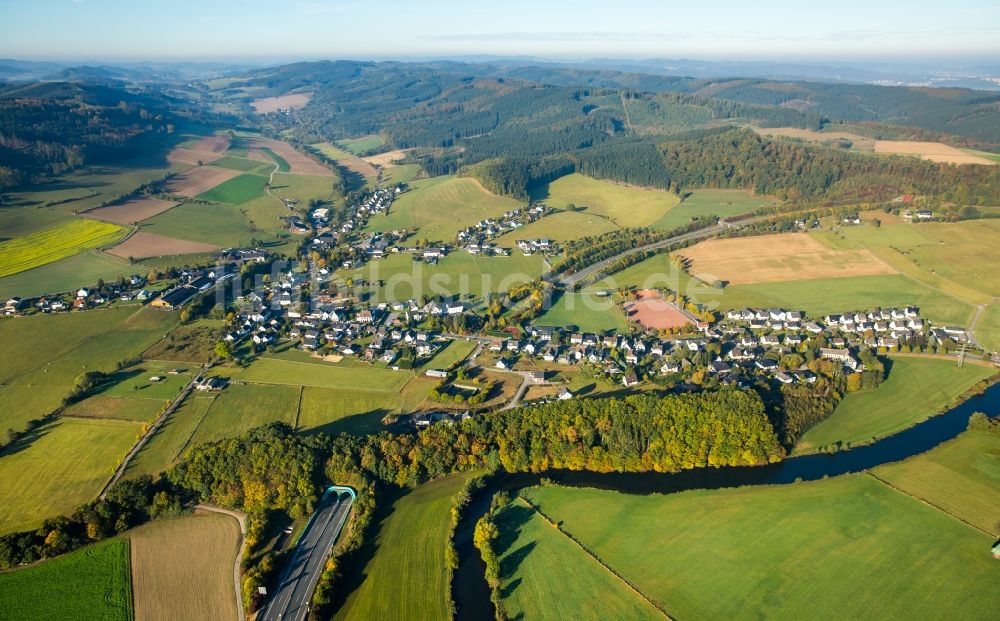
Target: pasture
column 142, row 245
column 21, row 221
column 534, row 583
column 324, row 375
column 298, row 163
column 217, row 225
column 241, row 407
column 119, row 408
column 932, row 151
column 987, row 332
column 191, row 342
column 353, row 164
column 621, row 205
column 236, row 191
column 399, row 277
column 705, row 203
column 91, row 584
column 243, row 164
column 441, row 206
column 560, row 226
column 342, row 410
column 405, row 577
column 171, row 439
column 456, row 351
column 131, row 211
column 281, row 162
column 961, row 476
column 69, row 459
column 402, row 173
column 364, row 144
column 68, row 274
column 33, row 385
column 915, row 389
column 777, row 258
column 585, row 310
column 846, row 547
column 61, row 241
column 303, row 188
column 183, row 567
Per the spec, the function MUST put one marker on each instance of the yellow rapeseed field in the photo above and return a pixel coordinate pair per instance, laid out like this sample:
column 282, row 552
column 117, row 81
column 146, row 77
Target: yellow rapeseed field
column 58, row 242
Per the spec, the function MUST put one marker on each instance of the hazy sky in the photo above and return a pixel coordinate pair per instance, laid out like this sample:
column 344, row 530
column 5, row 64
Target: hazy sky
column 714, row 29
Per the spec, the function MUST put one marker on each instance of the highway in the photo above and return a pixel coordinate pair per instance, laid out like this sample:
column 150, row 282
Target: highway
column 290, row 601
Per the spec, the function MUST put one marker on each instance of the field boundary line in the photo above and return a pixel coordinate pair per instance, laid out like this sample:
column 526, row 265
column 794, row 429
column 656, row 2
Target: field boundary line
column 298, row 409
column 927, row 502
column 596, row 558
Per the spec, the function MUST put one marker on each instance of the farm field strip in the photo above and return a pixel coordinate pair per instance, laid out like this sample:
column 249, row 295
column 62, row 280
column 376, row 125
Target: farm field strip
column 58, row 242
column 198, row 180
column 290, row 373
column 131, row 211
column 143, row 245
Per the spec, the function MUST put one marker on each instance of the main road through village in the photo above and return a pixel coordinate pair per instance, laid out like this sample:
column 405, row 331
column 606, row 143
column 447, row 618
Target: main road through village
column 290, row 601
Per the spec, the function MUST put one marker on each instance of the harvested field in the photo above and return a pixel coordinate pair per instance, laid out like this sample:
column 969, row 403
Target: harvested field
column 932, row 151
column 285, row 102
column 183, row 568
column 654, row 313
column 777, row 258
column 131, row 211
column 143, row 244
column 208, row 149
column 298, row 163
column 387, row 158
column 198, row 180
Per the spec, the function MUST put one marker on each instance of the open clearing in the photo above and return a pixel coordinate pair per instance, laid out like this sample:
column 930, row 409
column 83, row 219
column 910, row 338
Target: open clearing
column 388, row 158
column 915, row 389
column 91, row 584
column 198, row 180
column 441, row 206
column 405, row 579
column 777, row 258
column 183, row 568
column 32, row 386
column 534, row 557
column 142, row 245
column 933, row 151
column 961, row 476
column 357, row 146
column 131, row 211
column 654, row 313
column 58, row 242
column 205, row 150
column 623, row 206
column 842, row 548
column 69, row 460
column 861, row 143
column 266, row 105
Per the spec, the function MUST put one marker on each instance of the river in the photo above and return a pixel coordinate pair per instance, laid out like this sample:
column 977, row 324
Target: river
column 472, row 595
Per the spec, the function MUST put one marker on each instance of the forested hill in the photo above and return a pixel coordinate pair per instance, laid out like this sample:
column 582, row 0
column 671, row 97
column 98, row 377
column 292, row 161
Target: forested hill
column 52, row 127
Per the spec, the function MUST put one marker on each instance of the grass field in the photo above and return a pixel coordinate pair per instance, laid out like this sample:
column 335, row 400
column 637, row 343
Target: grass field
column 704, row 203
column 280, row 161
column 440, row 207
column 58, row 242
column 533, row 561
column 399, row 173
column 241, row 407
column 993, row 157
column 456, row 351
column 171, row 439
column 244, row 165
column 21, row 221
column 33, row 385
column 405, row 579
column 586, row 311
column 848, row 547
column 356, row 167
column 623, row 206
column 915, row 389
column 961, row 476
column 338, row 410
column 357, row 146
column 91, row 584
column 560, row 226
column 457, row 274
column 324, row 375
column 237, row 190
column 220, row 225
column 988, row 330
column 69, row 460
column 183, row 568
column 68, row 274
column 190, row 342
column 118, row 408
column 304, row 187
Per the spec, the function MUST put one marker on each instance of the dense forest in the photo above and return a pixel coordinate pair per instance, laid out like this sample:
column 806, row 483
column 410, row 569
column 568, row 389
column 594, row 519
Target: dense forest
column 49, row 129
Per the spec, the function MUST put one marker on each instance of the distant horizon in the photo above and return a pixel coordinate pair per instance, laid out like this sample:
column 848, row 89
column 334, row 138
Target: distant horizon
column 966, row 31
